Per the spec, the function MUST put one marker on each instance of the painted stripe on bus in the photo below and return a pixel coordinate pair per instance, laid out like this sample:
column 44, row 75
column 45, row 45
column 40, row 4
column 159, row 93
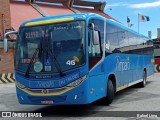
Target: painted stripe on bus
column 44, row 22
column 121, row 88
column 48, row 94
column 130, row 84
column 135, row 82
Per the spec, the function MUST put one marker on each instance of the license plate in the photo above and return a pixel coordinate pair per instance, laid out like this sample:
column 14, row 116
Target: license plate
column 47, row 102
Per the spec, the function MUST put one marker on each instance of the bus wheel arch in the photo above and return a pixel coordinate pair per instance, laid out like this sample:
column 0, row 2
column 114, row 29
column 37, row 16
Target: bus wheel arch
column 110, row 90
column 113, row 80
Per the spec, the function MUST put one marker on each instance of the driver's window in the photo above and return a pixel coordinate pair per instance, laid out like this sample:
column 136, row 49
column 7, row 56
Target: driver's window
column 95, row 41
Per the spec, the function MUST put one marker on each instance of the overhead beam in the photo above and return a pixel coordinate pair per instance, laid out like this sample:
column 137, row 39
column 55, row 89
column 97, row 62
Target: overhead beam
column 69, row 3
column 40, row 10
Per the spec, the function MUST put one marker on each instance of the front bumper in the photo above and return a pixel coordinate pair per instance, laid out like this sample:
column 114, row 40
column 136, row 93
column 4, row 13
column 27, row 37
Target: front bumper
column 77, row 95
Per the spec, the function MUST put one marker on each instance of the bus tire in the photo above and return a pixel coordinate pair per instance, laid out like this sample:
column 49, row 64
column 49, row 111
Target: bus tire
column 158, row 67
column 110, row 93
column 143, row 83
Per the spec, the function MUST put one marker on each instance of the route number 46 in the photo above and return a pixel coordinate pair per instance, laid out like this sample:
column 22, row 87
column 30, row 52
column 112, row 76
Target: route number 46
column 70, row 62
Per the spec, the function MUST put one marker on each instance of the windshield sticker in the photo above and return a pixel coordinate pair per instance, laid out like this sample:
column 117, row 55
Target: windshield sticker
column 70, row 62
column 47, row 68
column 76, row 59
column 28, row 60
column 38, row 66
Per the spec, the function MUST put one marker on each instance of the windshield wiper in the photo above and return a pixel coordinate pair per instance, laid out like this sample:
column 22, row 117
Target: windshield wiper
column 31, row 62
column 51, row 54
column 33, row 57
column 55, row 61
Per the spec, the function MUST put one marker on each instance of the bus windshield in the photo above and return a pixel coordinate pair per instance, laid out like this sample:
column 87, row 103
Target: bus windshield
column 43, row 48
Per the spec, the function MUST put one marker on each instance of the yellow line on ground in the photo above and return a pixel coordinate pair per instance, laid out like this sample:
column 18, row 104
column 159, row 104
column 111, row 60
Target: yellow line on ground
column 9, row 77
column 3, row 78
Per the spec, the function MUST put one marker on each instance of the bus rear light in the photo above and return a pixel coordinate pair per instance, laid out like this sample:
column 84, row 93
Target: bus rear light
column 77, row 82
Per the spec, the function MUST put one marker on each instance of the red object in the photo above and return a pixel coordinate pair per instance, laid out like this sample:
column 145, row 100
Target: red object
column 157, row 60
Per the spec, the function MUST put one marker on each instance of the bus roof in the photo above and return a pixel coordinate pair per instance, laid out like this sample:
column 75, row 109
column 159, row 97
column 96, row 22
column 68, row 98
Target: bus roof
column 80, row 16
column 73, row 16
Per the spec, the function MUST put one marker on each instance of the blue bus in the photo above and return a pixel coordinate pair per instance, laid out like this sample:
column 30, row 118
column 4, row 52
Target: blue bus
column 78, row 59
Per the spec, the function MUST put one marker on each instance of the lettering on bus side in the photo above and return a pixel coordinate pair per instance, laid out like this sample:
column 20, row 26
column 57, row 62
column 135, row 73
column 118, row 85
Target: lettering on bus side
column 68, row 79
column 45, row 84
column 122, row 64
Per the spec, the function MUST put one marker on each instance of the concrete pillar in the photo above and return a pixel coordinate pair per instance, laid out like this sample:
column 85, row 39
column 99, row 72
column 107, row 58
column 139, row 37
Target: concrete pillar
column 5, row 17
column 158, row 32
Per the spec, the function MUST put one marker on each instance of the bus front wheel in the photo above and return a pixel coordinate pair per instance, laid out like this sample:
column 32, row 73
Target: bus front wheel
column 110, row 93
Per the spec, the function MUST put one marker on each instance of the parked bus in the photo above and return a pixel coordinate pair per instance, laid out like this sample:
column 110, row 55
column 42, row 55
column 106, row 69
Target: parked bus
column 78, row 59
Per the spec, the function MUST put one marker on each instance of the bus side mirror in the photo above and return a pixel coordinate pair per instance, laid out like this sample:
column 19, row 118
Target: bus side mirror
column 5, row 40
column 5, row 45
column 94, row 34
column 95, row 38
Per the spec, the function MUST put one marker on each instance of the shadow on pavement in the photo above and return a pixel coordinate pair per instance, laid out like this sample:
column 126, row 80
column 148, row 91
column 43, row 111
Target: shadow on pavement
column 93, row 109
column 68, row 111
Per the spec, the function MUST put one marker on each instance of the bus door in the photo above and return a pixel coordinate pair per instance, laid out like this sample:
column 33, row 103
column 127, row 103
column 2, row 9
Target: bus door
column 95, row 41
column 96, row 66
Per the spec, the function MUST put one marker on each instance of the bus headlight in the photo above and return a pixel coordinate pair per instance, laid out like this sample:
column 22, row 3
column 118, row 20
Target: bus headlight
column 77, row 82
column 19, row 85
